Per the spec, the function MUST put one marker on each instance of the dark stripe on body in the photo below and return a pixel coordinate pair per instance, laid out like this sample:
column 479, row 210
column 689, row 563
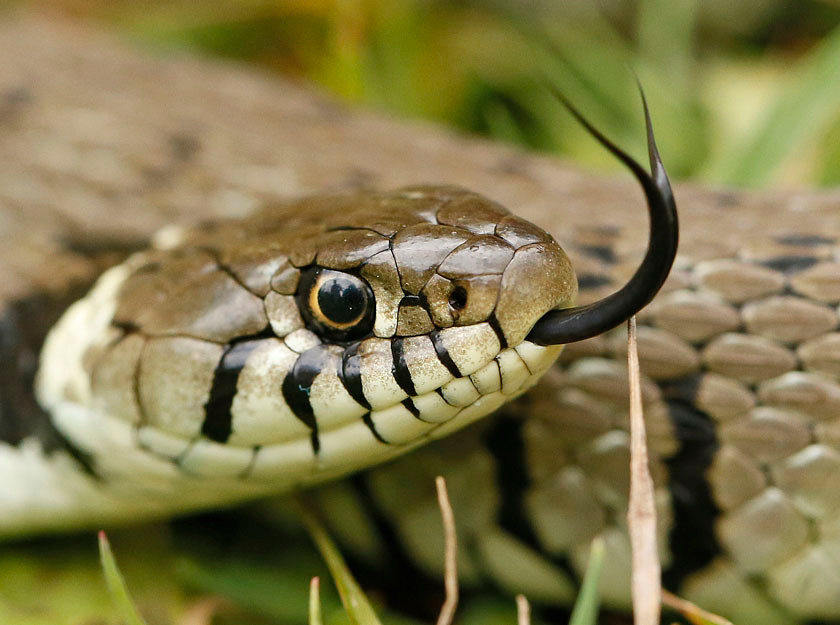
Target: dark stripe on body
column 24, row 324
column 414, row 300
column 217, row 423
column 444, row 356
column 692, row 539
column 400, row 368
column 790, row 264
column 504, row 440
column 603, row 253
column 23, row 327
column 805, row 240
column 393, row 571
column 298, row 384
column 592, row 281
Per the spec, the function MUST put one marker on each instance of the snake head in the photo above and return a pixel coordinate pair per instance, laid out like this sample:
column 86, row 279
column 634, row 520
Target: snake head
column 316, row 338
column 305, row 341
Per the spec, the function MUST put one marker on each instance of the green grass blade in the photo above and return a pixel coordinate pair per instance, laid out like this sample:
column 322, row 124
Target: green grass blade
column 276, row 589
column 315, row 602
column 116, row 584
column 665, row 34
column 588, row 601
column 806, row 108
column 353, row 598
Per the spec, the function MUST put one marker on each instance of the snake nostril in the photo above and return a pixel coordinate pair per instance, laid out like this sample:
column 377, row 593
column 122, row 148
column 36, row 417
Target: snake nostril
column 458, row 298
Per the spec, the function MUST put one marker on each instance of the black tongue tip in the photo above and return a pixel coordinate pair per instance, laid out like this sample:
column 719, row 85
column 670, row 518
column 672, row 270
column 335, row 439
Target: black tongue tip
column 583, row 322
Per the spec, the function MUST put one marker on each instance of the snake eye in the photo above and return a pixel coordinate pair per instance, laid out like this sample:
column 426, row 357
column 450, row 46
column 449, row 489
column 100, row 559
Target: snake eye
column 338, row 305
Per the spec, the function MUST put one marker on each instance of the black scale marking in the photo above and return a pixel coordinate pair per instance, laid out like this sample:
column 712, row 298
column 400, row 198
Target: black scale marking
column 400, row 368
column 297, row 386
column 217, row 425
column 368, row 421
column 497, row 328
column 350, row 374
column 443, row 355
column 411, row 407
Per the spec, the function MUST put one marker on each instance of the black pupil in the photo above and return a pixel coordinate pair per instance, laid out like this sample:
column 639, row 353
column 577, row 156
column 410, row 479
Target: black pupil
column 341, row 300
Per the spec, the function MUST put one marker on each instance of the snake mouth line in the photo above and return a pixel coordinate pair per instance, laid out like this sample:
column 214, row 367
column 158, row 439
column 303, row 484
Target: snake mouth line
column 132, row 458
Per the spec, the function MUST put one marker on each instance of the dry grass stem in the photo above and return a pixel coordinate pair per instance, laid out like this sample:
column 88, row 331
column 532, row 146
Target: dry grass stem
column 523, row 611
column 692, row 613
column 641, row 513
column 447, row 611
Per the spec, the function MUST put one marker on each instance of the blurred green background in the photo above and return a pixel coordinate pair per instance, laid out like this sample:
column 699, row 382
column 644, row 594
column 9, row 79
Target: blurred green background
column 743, row 92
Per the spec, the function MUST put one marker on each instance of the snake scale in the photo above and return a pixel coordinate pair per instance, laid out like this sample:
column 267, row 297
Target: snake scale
column 102, row 147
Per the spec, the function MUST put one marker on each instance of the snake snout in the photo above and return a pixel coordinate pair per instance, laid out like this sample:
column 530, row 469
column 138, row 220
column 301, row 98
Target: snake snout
column 478, row 263
column 539, row 278
column 509, row 285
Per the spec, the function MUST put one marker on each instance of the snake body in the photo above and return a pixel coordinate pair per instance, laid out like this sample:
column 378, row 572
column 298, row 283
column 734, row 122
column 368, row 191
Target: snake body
column 740, row 396
column 739, row 351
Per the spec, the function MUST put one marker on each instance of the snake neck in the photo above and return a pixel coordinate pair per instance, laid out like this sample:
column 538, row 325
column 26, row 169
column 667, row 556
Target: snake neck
column 25, row 321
